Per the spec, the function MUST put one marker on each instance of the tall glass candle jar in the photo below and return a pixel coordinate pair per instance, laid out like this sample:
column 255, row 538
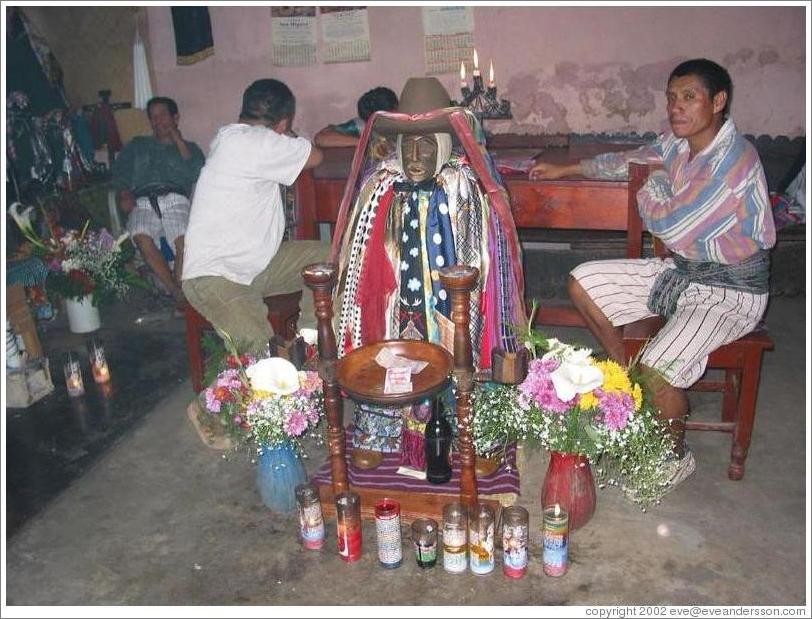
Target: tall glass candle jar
column 98, row 361
column 555, row 541
column 455, row 538
column 73, row 376
column 424, row 538
column 311, row 522
column 481, row 539
column 348, row 523
column 387, row 528
column 515, row 538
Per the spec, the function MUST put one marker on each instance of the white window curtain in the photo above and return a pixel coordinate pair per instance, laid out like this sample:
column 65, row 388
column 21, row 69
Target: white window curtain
column 143, row 87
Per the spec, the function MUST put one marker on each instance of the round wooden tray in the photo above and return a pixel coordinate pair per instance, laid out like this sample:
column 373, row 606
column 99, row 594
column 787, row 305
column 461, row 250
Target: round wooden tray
column 363, row 379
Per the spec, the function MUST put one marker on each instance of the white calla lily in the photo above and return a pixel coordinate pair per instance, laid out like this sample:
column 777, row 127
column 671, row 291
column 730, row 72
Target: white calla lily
column 23, row 221
column 575, row 375
column 275, row 375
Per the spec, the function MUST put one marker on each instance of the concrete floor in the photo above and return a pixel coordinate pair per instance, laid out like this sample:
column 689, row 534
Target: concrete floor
column 160, row 519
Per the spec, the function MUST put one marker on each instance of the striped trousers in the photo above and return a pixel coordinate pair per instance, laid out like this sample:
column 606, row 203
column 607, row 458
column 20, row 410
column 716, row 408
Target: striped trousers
column 706, row 317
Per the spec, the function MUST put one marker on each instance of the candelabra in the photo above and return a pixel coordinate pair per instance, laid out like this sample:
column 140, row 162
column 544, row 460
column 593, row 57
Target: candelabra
column 483, row 102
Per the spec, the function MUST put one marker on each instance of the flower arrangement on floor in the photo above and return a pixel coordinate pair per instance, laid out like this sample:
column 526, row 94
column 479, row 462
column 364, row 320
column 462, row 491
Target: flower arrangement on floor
column 573, row 403
column 80, row 263
column 264, row 401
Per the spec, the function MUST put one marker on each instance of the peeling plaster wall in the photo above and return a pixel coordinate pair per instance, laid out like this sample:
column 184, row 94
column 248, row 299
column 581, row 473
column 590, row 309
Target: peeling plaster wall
column 565, row 69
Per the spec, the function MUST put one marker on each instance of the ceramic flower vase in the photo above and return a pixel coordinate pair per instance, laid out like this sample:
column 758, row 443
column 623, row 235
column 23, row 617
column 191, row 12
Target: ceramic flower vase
column 569, row 482
column 83, row 316
column 279, row 471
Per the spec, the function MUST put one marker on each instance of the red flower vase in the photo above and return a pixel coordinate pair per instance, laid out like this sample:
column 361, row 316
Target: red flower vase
column 569, row 483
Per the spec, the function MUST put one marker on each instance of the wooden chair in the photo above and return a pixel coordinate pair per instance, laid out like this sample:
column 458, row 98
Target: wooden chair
column 740, row 360
column 283, row 314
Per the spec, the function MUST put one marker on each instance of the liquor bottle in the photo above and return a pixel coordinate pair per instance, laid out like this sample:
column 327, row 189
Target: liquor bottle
column 438, row 445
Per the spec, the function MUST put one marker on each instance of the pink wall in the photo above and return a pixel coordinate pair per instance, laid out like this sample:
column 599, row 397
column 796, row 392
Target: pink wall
column 566, row 69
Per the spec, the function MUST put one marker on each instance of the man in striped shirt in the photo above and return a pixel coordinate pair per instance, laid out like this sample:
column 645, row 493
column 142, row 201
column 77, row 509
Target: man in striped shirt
column 710, row 207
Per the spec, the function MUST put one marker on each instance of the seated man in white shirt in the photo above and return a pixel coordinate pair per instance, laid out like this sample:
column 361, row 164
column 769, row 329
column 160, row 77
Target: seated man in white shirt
column 235, row 254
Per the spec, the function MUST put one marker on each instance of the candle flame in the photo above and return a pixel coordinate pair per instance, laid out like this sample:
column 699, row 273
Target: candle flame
column 491, row 73
column 476, row 60
column 462, row 71
column 557, row 509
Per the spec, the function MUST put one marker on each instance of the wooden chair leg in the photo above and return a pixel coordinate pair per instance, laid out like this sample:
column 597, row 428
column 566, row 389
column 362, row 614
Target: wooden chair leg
column 743, row 431
column 194, row 349
column 730, row 400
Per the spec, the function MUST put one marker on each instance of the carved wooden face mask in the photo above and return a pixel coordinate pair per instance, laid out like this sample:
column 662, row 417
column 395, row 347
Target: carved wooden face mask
column 419, row 156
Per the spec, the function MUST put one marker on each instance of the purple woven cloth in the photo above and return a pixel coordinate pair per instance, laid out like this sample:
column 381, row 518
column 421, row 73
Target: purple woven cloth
column 385, row 477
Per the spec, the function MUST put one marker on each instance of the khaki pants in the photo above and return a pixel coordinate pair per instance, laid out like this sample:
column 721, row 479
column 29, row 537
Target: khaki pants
column 240, row 311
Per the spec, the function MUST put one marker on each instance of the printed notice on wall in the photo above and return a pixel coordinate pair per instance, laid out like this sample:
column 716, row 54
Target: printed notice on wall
column 448, row 37
column 293, row 35
column 345, row 33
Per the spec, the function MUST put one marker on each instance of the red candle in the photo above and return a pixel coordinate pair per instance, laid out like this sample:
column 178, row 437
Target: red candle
column 348, row 524
column 349, row 542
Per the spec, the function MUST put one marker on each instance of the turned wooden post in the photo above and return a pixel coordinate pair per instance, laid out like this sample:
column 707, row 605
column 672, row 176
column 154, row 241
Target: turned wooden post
column 459, row 280
column 321, row 278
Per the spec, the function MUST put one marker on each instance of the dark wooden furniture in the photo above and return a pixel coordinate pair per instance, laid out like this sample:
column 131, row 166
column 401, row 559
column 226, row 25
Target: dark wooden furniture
column 356, row 375
column 283, row 313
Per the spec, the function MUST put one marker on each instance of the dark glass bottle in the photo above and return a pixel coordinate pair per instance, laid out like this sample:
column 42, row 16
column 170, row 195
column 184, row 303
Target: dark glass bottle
column 438, row 445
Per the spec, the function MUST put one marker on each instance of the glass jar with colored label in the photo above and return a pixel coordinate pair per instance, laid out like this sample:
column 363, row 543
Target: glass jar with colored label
column 424, row 538
column 481, row 539
column 348, row 525
column 455, row 538
column 515, row 538
column 311, row 521
column 387, row 528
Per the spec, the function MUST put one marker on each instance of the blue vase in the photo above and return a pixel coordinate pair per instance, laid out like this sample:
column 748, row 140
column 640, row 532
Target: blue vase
column 279, row 471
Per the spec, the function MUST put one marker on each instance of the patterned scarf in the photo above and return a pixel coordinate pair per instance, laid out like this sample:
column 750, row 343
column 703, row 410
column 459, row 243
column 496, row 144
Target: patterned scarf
column 750, row 275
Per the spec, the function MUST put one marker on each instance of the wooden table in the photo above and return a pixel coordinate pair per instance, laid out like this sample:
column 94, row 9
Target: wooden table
column 566, row 203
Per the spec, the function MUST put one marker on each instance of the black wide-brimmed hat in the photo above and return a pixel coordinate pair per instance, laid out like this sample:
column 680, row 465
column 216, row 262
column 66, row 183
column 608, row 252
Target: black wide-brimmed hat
column 420, row 96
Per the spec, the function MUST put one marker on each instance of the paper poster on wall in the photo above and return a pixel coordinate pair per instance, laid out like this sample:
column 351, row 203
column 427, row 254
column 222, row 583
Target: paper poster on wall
column 293, row 35
column 448, row 37
column 345, row 33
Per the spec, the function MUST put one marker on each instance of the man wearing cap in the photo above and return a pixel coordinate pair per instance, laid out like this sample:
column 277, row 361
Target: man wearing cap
column 422, row 209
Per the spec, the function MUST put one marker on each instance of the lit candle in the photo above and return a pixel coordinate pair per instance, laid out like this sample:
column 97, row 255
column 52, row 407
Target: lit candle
column 555, row 541
column 101, row 374
column 476, row 64
column 311, row 521
column 73, row 377
column 98, row 361
column 492, row 84
column 463, row 83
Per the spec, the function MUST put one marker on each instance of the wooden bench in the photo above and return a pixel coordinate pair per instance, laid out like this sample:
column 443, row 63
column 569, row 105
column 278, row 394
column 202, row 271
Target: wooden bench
column 580, row 204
